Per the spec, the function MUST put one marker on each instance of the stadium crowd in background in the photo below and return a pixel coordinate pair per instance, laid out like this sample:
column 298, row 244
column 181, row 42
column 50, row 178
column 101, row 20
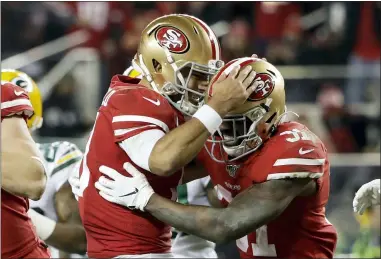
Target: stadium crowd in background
column 286, row 33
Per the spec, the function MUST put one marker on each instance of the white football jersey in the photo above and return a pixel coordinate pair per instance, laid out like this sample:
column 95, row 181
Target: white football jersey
column 185, row 245
column 194, row 192
column 60, row 159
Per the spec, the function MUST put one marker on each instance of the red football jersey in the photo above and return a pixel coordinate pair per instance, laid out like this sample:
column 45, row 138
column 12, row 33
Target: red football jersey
column 14, row 101
column 127, row 110
column 302, row 230
column 18, row 237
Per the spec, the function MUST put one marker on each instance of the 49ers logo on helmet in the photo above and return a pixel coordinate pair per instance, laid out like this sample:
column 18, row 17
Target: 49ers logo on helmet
column 173, row 39
column 264, row 86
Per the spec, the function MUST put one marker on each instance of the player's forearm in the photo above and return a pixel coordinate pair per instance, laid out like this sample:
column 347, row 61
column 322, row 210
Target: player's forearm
column 68, row 237
column 177, row 148
column 218, row 225
column 248, row 211
column 23, row 175
column 245, row 215
column 69, row 234
column 260, row 204
column 196, row 220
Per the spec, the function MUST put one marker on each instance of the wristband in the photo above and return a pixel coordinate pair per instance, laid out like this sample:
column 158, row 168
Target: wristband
column 44, row 225
column 209, row 117
column 147, row 192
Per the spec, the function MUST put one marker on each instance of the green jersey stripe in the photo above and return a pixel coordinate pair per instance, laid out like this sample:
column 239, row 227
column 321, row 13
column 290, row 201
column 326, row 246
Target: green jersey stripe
column 66, row 164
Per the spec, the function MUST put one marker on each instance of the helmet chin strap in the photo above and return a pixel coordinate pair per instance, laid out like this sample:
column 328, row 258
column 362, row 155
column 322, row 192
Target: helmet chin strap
column 168, row 86
column 171, row 61
column 142, row 68
column 188, row 106
column 283, row 117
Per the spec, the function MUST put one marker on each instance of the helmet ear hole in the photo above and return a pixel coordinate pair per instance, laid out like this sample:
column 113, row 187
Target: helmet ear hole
column 157, row 66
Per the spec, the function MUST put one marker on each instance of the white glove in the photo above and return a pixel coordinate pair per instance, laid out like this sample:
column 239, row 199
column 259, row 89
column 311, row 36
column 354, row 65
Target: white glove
column 75, row 183
column 368, row 195
column 132, row 192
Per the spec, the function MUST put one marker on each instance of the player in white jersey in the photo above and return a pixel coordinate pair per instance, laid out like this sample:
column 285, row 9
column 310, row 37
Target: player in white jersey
column 58, row 203
column 197, row 192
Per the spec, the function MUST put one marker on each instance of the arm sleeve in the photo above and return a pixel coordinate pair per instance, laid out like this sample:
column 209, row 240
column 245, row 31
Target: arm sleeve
column 298, row 162
column 138, row 110
column 139, row 147
column 205, row 181
column 15, row 101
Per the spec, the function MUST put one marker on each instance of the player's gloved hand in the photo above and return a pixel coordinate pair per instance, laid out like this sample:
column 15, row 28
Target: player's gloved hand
column 368, row 195
column 75, row 184
column 132, row 192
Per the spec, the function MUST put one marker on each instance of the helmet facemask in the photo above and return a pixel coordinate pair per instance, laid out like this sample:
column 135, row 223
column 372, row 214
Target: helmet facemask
column 179, row 92
column 186, row 95
column 238, row 136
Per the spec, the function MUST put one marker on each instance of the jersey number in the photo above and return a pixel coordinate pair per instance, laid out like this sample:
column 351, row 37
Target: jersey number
column 261, row 247
column 299, row 135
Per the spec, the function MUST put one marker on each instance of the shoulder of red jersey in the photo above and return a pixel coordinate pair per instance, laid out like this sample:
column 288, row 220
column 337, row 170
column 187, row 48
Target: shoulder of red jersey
column 293, row 152
column 135, row 108
column 14, row 101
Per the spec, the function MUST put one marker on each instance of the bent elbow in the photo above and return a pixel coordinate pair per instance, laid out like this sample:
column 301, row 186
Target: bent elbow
column 37, row 190
column 218, row 231
column 161, row 166
column 226, row 230
column 37, row 181
column 81, row 247
column 81, row 244
column 163, row 170
column 223, row 236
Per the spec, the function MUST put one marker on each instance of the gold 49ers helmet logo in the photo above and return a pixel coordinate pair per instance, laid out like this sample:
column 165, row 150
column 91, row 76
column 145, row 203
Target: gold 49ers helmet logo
column 173, row 39
column 264, row 86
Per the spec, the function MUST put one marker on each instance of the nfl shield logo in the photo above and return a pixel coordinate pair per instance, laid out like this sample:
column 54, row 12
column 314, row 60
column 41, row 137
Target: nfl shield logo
column 232, row 169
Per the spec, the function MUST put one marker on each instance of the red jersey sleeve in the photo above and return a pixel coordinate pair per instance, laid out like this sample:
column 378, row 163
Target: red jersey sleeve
column 14, row 101
column 136, row 110
column 299, row 161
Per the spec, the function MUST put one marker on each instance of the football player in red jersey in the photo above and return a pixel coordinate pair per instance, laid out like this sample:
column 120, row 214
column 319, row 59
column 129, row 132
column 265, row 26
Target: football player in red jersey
column 56, row 222
column 22, row 175
column 271, row 174
column 138, row 122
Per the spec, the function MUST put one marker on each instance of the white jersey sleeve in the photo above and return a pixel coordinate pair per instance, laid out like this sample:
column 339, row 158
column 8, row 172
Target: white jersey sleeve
column 183, row 244
column 59, row 158
column 194, row 192
column 139, row 147
column 205, row 181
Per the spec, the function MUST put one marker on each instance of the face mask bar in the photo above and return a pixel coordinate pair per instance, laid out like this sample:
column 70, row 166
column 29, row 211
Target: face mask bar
column 179, row 89
column 248, row 136
column 190, row 100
